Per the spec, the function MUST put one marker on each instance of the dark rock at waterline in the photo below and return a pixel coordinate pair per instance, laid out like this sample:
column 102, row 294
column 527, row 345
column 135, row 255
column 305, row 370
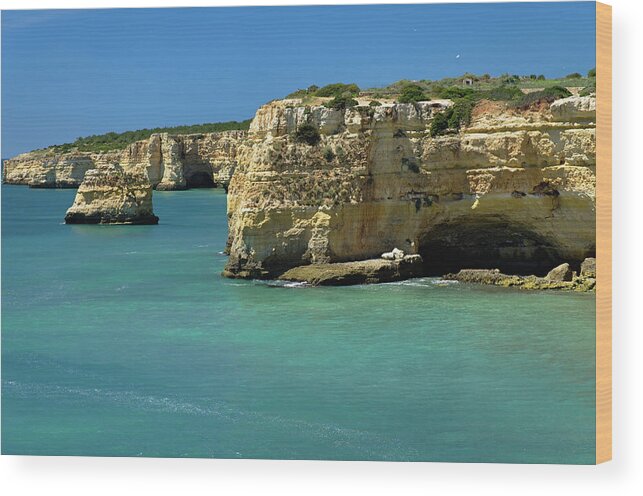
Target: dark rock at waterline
column 361, row 272
column 81, row 218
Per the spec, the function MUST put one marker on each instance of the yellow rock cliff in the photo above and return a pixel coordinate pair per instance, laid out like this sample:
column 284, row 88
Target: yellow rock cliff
column 513, row 190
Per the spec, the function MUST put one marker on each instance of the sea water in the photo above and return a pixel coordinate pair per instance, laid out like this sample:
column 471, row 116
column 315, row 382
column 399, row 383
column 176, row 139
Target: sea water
column 126, row 341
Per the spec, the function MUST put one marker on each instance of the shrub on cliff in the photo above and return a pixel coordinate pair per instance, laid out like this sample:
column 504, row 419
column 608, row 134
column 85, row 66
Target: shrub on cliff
column 117, row 141
column 374, row 103
column 440, row 123
column 301, row 93
column 591, row 73
column 502, row 93
column 337, row 89
column 453, row 92
column 574, row 75
column 461, row 113
column 507, row 79
column 588, row 90
column 547, row 95
column 309, row 134
column 329, row 155
column 341, row 102
column 412, row 93
column 453, row 118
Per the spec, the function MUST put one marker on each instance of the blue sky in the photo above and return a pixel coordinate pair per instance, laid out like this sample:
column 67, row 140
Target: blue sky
column 70, row 73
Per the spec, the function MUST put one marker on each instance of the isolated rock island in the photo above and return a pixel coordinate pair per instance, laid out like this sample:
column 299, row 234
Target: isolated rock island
column 110, row 195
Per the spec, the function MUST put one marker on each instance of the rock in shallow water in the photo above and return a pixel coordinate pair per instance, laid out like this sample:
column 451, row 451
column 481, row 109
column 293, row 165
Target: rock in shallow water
column 560, row 277
column 588, row 268
column 560, row 273
column 109, row 195
column 361, row 272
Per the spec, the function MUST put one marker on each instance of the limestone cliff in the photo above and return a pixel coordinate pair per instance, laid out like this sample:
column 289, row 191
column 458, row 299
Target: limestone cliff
column 169, row 162
column 110, row 195
column 514, row 190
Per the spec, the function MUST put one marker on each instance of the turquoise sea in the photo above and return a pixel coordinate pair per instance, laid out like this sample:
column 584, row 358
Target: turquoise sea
column 125, row 341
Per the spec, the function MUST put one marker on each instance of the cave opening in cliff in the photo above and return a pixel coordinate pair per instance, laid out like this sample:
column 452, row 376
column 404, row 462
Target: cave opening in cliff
column 487, row 244
column 200, row 180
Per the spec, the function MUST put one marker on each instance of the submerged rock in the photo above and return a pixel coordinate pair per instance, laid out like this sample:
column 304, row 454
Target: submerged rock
column 109, row 195
column 361, row 272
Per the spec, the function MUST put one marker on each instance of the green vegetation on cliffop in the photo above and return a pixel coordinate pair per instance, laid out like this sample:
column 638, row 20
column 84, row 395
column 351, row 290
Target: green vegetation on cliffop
column 484, row 82
column 464, row 91
column 412, row 93
column 118, row 141
column 547, row 95
column 341, row 102
column 333, row 90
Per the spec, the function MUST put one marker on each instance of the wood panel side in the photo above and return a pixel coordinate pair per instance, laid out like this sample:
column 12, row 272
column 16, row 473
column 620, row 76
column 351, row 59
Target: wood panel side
column 603, row 232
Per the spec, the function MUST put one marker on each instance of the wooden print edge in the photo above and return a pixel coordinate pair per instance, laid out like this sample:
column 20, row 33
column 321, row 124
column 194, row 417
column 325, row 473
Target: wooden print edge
column 603, row 232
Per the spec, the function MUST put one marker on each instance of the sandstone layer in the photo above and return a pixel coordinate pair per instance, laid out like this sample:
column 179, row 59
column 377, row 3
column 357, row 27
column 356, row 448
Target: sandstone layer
column 169, row 162
column 111, row 195
column 514, row 190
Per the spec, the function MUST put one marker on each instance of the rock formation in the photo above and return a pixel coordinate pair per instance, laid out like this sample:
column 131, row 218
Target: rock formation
column 42, row 169
column 588, row 268
column 561, row 273
column 560, row 277
column 514, row 189
column 110, row 195
column 361, row 272
column 169, row 161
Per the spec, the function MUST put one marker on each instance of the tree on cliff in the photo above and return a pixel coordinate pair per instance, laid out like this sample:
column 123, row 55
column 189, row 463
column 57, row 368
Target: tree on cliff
column 309, row 134
column 412, row 93
column 338, row 89
column 341, row 102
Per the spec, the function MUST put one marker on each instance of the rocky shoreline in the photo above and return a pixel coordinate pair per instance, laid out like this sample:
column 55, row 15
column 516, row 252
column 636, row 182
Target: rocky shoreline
column 359, row 272
column 559, row 278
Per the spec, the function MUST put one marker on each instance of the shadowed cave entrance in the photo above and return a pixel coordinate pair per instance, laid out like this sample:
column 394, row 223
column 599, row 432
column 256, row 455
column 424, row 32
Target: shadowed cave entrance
column 200, row 180
column 490, row 244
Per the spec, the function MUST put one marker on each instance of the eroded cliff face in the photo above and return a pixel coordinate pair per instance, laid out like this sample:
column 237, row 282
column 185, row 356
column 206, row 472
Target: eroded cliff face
column 514, row 190
column 169, row 162
column 111, row 195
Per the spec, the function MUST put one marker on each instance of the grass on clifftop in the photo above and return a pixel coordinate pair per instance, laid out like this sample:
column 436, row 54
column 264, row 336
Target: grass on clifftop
column 505, row 87
column 464, row 91
column 118, row 141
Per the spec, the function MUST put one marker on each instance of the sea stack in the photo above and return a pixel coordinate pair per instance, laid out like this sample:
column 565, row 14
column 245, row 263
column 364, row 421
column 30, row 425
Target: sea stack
column 110, row 195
